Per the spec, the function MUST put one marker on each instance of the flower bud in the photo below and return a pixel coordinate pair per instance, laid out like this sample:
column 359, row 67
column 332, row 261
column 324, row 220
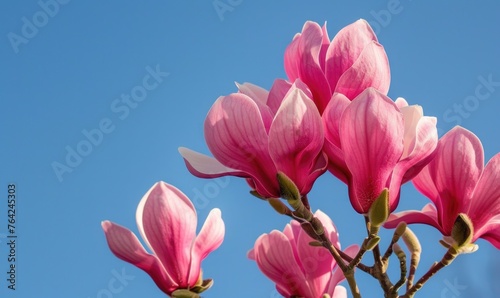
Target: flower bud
column 462, row 230
column 379, row 211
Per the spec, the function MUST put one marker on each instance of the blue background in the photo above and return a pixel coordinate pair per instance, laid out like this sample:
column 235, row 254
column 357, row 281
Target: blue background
column 67, row 74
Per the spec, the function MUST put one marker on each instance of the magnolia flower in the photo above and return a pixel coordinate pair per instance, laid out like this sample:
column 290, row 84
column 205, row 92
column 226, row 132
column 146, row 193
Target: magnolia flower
column 457, row 181
column 166, row 219
column 255, row 133
column 297, row 268
column 373, row 143
column 350, row 63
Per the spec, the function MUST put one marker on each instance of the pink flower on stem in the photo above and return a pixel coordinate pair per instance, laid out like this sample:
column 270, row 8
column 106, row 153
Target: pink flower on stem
column 457, row 181
column 166, row 219
column 350, row 63
column 255, row 133
column 373, row 143
column 297, row 268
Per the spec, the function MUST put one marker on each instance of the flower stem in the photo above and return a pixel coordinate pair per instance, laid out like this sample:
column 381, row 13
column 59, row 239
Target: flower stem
column 447, row 259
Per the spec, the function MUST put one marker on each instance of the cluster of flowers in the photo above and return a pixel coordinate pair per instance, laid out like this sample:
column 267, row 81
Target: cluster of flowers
column 331, row 115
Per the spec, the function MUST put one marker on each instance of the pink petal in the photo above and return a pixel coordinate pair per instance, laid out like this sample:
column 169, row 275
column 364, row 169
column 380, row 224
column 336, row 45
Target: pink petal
column 302, row 58
column 317, row 262
column 292, row 60
column 338, row 275
column 427, row 216
column 371, row 130
column 277, row 93
column 203, row 166
column 275, row 259
column 401, row 102
column 455, row 170
column 280, row 88
column 296, row 138
column 340, row 292
column 208, row 240
column 236, row 135
column 251, row 254
column 125, row 245
column 332, row 147
column 419, row 154
column 329, row 226
column 255, row 92
column 490, row 232
column 371, row 69
column 485, row 203
column 167, row 221
column 325, row 44
column 423, row 148
column 345, row 49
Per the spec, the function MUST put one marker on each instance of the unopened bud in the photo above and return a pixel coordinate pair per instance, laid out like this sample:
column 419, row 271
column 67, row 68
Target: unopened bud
column 400, row 229
column 370, row 244
column 462, row 231
column 202, row 285
column 183, row 293
column 279, row 206
column 379, row 211
column 288, row 189
column 257, row 195
column 411, row 241
column 398, row 251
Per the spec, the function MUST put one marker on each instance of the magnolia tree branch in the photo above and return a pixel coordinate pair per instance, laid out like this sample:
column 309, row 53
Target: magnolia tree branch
column 447, row 259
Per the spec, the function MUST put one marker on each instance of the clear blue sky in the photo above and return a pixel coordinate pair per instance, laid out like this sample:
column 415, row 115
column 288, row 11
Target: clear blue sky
column 68, row 74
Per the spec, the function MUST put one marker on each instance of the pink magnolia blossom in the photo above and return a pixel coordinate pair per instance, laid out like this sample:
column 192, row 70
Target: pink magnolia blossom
column 297, row 268
column 255, row 133
column 457, row 181
column 350, row 63
column 166, row 219
column 373, row 143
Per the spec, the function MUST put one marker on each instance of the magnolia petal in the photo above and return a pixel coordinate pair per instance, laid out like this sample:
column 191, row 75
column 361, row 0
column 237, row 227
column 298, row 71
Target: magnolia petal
column 317, row 262
column 371, row 130
column 296, row 138
column 125, row 245
column 208, row 240
column 401, row 102
column 280, row 88
column 325, row 44
column 292, row 231
column 485, row 203
column 277, row 93
column 275, row 259
column 302, row 61
column 255, row 92
column 422, row 152
column 456, row 169
column 332, row 147
column 490, row 232
column 411, row 115
column 251, row 254
column 340, row 292
column 236, row 135
column 370, row 70
column 167, row 221
column 345, row 49
column 338, row 275
column 292, row 60
column 329, row 227
column 331, row 117
column 428, row 215
column 204, row 166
